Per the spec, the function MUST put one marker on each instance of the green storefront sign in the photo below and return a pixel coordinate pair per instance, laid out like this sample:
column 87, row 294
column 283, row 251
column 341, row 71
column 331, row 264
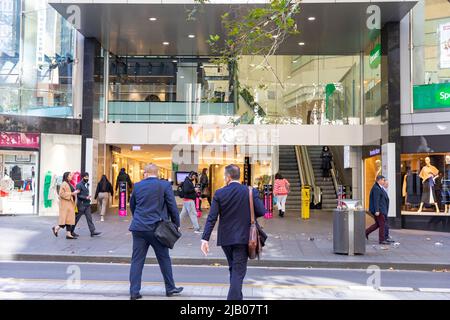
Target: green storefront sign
column 431, row 96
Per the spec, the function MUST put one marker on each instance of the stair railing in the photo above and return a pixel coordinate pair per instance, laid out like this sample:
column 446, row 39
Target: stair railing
column 299, row 165
column 309, row 173
column 334, row 175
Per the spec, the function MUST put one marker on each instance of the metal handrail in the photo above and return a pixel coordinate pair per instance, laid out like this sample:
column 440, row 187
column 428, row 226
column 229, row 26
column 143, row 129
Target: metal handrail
column 299, row 165
column 310, row 175
column 333, row 175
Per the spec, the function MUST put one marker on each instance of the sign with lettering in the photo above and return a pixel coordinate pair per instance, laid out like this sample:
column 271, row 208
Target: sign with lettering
column 431, row 96
column 19, row 140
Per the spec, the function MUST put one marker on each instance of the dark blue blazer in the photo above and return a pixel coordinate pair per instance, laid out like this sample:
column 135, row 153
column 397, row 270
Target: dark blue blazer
column 231, row 203
column 82, row 197
column 378, row 200
column 148, row 198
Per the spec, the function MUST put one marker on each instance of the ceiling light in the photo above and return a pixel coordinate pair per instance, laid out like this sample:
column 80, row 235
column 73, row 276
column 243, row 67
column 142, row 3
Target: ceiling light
column 295, row 61
column 181, row 77
column 166, row 43
column 312, row 18
column 152, row 19
column 301, row 43
column 174, row 61
column 191, row 36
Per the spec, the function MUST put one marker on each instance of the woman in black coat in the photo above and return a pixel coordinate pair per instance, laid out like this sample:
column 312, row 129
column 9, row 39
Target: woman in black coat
column 327, row 157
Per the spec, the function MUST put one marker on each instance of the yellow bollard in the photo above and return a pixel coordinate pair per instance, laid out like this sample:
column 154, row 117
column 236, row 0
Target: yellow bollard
column 306, row 199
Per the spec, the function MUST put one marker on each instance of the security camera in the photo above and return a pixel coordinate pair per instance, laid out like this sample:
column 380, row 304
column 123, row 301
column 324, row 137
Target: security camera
column 79, row 115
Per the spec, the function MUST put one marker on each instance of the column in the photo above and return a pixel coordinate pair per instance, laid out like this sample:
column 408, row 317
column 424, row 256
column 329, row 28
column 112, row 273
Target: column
column 390, row 100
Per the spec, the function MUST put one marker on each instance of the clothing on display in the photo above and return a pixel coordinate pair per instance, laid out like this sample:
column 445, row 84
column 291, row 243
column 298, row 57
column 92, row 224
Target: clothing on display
column 428, row 174
column 53, row 193
column 47, row 184
column 75, row 179
column 445, row 192
column 16, row 173
column 412, row 186
column 6, row 185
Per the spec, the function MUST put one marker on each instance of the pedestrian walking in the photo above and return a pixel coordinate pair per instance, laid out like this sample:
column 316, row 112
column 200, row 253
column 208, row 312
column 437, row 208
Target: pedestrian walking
column 231, row 204
column 84, row 205
column 378, row 207
column 327, row 157
column 67, row 203
column 281, row 190
column 104, row 189
column 204, row 186
column 189, row 195
column 124, row 177
column 151, row 202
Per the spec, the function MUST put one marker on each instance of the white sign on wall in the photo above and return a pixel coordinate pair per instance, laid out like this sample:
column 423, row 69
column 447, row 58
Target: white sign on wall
column 444, row 42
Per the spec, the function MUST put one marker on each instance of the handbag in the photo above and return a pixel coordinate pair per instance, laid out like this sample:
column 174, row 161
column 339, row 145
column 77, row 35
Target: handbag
column 254, row 241
column 166, row 231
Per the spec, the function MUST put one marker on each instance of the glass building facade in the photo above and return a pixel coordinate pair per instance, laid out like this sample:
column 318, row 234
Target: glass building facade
column 37, row 57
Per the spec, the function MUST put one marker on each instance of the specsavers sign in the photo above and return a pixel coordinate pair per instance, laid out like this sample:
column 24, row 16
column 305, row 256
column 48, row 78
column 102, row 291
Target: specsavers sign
column 432, row 96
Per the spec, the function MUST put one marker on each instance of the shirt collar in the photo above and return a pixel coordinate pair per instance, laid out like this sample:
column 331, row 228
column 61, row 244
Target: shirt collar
column 234, row 181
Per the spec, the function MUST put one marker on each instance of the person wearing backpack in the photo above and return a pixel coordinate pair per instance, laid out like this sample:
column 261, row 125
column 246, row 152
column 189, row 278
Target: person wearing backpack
column 281, row 190
column 189, row 195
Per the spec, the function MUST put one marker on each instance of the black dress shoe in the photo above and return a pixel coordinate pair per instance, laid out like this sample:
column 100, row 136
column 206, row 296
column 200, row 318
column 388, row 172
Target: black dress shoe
column 76, row 235
column 390, row 240
column 93, row 234
column 136, row 297
column 174, row 291
column 71, row 238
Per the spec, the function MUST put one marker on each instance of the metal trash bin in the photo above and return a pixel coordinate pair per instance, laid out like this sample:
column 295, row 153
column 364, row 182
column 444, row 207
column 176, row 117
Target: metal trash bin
column 349, row 227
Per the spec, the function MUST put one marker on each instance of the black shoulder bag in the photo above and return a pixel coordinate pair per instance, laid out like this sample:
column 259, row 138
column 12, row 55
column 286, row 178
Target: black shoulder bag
column 166, row 232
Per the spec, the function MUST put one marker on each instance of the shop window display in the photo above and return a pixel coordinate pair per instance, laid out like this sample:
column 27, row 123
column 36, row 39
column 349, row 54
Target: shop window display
column 426, row 184
column 18, row 182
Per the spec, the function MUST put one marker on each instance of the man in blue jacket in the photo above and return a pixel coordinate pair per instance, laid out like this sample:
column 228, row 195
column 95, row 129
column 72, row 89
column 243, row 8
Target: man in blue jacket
column 379, row 208
column 152, row 201
column 231, row 203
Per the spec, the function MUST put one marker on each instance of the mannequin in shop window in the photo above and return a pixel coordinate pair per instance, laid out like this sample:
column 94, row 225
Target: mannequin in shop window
column 428, row 175
column 378, row 170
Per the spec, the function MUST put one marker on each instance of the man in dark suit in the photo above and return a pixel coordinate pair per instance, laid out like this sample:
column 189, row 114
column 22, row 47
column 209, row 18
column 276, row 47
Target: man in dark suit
column 231, row 203
column 152, row 201
column 378, row 207
column 84, row 205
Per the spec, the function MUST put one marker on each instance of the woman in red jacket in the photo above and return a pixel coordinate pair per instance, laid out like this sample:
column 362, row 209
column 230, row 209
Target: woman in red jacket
column 281, row 191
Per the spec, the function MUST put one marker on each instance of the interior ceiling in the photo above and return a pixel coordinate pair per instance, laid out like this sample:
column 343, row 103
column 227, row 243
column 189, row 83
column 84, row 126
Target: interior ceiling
column 339, row 28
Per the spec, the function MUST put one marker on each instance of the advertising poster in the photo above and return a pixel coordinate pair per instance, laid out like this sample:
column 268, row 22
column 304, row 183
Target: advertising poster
column 122, row 199
column 444, row 40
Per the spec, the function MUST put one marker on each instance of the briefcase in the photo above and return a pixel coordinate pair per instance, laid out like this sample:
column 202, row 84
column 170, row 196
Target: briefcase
column 167, row 233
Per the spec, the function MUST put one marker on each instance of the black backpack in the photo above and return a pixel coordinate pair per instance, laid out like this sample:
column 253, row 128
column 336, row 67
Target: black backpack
column 180, row 191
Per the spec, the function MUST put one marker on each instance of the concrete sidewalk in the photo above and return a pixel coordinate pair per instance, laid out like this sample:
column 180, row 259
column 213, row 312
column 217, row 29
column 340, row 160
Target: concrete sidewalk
column 292, row 242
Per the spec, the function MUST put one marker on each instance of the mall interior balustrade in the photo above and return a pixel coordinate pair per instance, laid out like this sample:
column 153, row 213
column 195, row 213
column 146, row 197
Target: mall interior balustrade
column 166, row 112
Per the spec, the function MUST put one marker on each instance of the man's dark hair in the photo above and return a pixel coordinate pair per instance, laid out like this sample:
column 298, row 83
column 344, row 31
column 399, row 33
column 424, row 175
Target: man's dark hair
column 84, row 174
column 233, row 171
column 380, row 177
column 278, row 176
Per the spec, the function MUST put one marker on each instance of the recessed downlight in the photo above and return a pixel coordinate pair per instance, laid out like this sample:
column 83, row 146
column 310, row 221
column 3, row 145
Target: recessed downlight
column 166, row 43
column 192, row 36
column 301, row 43
column 312, row 18
column 174, row 61
column 152, row 19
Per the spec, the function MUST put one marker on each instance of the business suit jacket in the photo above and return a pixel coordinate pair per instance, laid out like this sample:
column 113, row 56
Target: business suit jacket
column 378, row 200
column 151, row 201
column 231, row 203
column 82, row 197
column 66, row 205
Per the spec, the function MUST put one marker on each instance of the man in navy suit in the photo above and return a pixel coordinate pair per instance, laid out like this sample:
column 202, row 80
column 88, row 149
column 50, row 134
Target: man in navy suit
column 231, row 203
column 378, row 207
column 152, row 201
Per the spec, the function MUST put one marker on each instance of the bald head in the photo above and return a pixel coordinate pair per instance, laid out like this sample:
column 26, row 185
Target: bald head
column 151, row 170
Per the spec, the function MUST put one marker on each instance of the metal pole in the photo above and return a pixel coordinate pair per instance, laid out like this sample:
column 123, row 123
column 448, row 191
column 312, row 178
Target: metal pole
column 105, row 84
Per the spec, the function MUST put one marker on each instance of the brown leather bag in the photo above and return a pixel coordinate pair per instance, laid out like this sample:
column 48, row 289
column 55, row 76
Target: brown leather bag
column 254, row 241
